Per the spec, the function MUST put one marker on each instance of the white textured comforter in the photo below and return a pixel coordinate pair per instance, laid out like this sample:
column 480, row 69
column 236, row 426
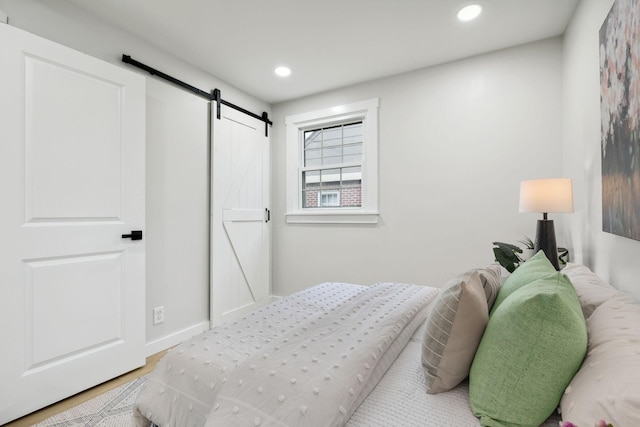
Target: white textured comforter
column 306, row 360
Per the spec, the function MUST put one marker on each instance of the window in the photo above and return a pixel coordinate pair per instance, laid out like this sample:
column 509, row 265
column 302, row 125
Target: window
column 329, row 199
column 332, row 165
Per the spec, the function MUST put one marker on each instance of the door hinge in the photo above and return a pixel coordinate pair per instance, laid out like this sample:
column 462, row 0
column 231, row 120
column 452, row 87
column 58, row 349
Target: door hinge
column 267, row 215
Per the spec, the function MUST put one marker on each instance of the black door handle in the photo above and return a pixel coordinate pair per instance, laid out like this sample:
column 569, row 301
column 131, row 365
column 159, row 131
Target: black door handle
column 135, row 235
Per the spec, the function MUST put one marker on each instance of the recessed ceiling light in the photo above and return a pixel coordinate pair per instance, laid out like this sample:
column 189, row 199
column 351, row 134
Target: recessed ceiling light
column 283, row 71
column 469, row 12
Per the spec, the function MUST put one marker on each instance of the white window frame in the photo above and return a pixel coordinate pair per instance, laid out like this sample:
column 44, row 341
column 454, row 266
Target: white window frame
column 367, row 213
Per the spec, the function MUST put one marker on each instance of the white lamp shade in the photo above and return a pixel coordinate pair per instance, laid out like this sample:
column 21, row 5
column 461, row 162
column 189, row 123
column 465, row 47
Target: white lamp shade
column 546, row 195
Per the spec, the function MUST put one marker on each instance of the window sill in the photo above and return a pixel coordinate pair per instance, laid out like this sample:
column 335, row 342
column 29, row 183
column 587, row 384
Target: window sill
column 332, row 217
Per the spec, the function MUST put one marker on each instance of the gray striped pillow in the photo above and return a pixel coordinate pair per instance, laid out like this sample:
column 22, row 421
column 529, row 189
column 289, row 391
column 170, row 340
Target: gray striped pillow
column 491, row 282
column 453, row 331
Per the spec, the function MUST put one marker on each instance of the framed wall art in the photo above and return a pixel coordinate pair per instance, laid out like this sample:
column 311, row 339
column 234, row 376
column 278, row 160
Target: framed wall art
column 620, row 116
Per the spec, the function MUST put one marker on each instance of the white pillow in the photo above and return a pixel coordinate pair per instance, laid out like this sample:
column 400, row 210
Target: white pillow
column 607, row 386
column 592, row 290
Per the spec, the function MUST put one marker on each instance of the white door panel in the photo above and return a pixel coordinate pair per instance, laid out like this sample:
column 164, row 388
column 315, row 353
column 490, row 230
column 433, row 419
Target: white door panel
column 85, row 287
column 240, row 275
column 58, row 134
column 72, row 156
column 245, row 240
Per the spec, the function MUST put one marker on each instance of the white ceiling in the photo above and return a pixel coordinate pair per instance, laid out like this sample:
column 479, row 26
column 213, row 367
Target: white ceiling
column 327, row 43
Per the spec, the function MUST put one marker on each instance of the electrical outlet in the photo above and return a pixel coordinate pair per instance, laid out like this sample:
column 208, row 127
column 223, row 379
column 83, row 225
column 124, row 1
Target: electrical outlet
column 158, row 315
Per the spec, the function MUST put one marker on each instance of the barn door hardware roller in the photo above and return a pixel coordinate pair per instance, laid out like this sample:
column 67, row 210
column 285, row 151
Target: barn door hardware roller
column 214, row 95
column 264, row 117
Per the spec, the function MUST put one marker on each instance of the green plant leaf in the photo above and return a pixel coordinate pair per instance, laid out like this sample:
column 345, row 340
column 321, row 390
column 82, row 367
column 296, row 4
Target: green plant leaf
column 509, row 246
column 506, row 255
column 528, row 244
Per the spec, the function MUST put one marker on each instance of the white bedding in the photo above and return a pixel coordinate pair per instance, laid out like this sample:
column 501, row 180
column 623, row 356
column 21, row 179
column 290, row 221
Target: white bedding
column 299, row 342
column 400, row 399
column 201, row 373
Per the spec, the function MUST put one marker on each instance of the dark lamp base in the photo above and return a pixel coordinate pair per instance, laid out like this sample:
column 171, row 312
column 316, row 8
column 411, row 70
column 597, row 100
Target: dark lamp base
column 546, row 241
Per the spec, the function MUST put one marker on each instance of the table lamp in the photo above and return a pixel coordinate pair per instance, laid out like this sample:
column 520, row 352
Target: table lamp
column 546, row 195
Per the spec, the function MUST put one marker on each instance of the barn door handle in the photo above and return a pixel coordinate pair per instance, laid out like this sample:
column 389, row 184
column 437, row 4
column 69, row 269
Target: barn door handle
column 135, row 235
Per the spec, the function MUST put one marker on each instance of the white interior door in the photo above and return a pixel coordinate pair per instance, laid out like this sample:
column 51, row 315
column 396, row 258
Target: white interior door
column 240, row 247
column 72, row 162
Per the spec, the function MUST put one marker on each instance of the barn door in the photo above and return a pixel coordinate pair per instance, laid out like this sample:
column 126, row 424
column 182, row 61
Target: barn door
column 72, row 162
column 240, row 248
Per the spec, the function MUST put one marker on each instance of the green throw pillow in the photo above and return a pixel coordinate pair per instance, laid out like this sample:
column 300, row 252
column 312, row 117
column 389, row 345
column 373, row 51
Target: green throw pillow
column 536, row 267
column 532, row 347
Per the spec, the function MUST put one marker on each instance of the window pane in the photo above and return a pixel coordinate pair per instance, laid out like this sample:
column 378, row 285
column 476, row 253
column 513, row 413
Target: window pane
column 310, row 178
column 352, row 153
column 313, row 157
column 330, row 178
column 353, row 149
column 352, row 133
column 313, row 139
column 332, row 136
column 332, row 156
column 351, row 187
column 352, row 174
column 310, row 198
column 353, row 129
column 310, row 186
column 313, row 162
column 351, row 197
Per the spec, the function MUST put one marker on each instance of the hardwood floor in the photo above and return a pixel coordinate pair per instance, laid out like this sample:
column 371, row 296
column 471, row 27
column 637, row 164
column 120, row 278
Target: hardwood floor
column 56, row 408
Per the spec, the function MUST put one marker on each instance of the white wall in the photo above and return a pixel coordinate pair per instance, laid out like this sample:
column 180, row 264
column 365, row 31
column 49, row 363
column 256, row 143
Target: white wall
column 177, row 145
column 455, row 142
column 612, row 257
column 177, row 210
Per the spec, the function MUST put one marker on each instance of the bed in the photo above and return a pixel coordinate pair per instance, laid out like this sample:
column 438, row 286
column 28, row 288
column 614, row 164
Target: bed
column 342, row 354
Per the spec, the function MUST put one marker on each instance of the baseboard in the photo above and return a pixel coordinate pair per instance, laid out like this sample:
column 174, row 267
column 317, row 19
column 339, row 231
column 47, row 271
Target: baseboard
column 238, row 312
column 163, row 343
column 168, row 341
